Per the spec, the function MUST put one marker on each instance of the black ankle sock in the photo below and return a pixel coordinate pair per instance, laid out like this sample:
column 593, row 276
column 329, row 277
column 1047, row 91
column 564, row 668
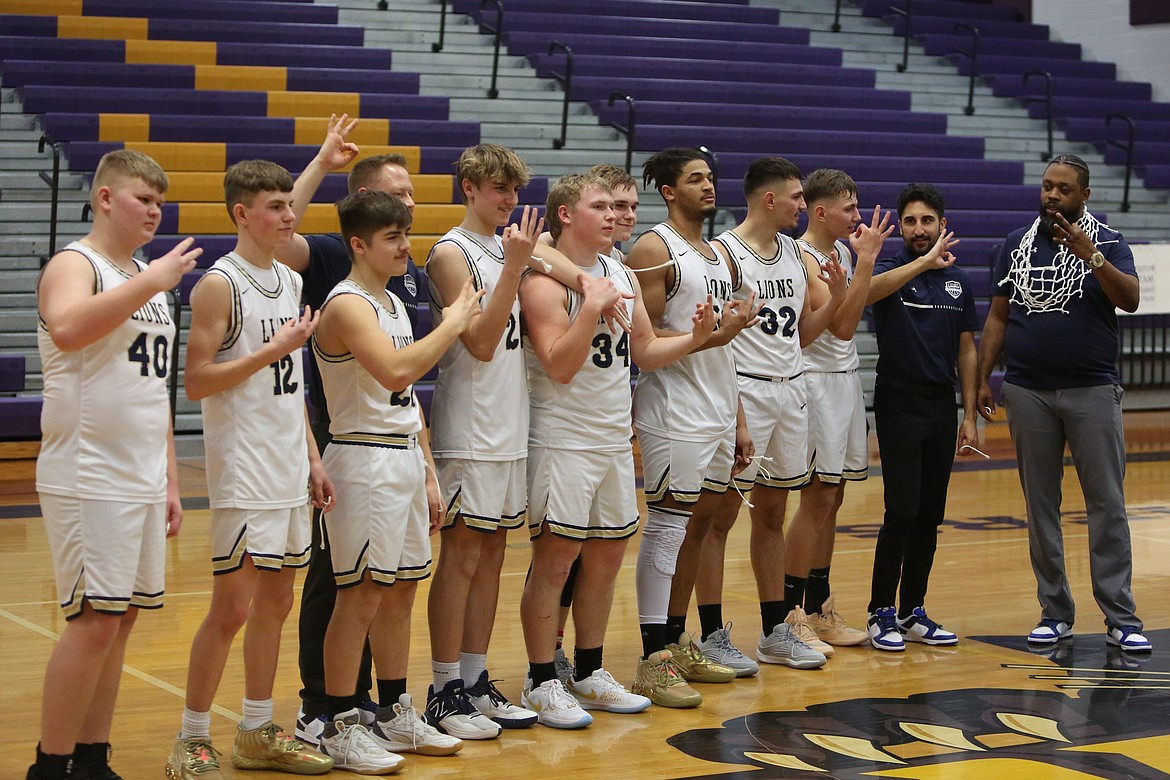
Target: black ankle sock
column 675, row 625
column 339, row 704
column 710, row 618
column 772, row 614
column 389, row 691
column 816, row 592
column 586, row 661
column 541, row 673
column 793, row 592
column 653, row 638
column 51, row 766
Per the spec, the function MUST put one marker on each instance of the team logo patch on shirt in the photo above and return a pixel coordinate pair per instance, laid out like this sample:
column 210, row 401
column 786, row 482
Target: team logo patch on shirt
column 953, row 288
column 412, row 288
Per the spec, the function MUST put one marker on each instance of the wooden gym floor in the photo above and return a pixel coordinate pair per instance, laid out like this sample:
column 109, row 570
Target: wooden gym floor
column 988, row 708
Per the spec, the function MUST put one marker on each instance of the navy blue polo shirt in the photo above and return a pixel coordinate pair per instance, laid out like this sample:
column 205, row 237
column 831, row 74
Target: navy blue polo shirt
column 329, row 264
column 919, row 324
column 1076, row 347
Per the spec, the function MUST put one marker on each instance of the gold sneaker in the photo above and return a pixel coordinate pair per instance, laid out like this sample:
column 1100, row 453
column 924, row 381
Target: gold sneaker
column 268, row 747
column 193, row 759
column 832, row 629
column 659, row 680
column 801, row 625
column 695, row 666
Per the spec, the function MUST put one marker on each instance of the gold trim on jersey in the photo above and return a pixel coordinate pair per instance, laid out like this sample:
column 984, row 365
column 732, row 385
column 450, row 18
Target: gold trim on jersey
column 236, row 317
column 240, row 266
column 473, row 238
column 394, row 441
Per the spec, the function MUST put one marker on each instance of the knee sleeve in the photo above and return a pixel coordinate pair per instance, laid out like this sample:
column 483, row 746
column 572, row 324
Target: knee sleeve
column 662, row 536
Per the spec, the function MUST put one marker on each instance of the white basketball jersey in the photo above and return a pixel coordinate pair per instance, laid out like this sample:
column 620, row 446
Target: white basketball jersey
column 827, row 352
column 358, row 403
column 106, row 408
column 480, row 410
column 771, row 347
column 693, row 398
column 591, row 412
column 255, row 431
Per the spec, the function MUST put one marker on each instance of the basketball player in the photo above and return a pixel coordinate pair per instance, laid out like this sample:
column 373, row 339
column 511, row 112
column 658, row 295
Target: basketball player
column 583, row 507
column 689, row 427
column 389, row 498
column 769, row 366
column 479, row 420
column 835, row 400
column 322, row 261
column 106, row 473
column 1053, row 319
column 244, row 364
column 624, row 189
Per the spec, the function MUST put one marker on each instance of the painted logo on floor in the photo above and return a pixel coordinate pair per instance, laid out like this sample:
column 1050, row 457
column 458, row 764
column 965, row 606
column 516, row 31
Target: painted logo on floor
column 1092, row 713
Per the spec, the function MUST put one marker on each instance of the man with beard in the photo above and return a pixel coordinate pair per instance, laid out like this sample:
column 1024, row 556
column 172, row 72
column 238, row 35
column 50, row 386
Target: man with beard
column 1054, row 323
column 924, row 314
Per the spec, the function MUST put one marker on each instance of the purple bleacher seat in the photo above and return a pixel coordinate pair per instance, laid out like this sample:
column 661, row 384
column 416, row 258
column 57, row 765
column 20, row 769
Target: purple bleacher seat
column 1157, row 176
column 957, row 11
column 1095, row 129
column 70, row 49
column 940, row 170
column 1012, row 85
column 942, row 44
column 1144, row 153
column 796, row 117
column 20, row 418
column 587, row 88
column 711, row 32
column 706, row 70
column 1059, row 68
column 252, row 129
column 39, row 99
column 969, row 197
column 766, row 141
column 350, row 79
column 220, row 29
column 980, row 279
column 215, row 9
column 11, row 373
column 656, row 9
column 1098, row 105
column 923, row 24
column 523, row 43
column 19, row 24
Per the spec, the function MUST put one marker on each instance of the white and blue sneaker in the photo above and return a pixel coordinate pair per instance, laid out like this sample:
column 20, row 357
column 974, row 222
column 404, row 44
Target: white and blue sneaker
column 309, row 730
column 918, row 627
column 1128, row 638
column 882, row 628
column 492, row 704
column 1049, row 631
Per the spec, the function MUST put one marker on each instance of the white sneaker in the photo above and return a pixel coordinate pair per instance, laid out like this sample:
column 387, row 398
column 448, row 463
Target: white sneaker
column 406, row 732
column 308, row 729
column 554, row 706
column 599, row 691
column 718, row 648
column 352, row 747
column 492, row 704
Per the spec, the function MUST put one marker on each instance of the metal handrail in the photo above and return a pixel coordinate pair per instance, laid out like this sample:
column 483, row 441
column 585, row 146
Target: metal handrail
column 438, row 47
column 494, row 93
column 713, row 161
column 54, row 182
column 909, row 15
column 631, row 124
column 836, row 25
column 566, row 81
column 974, row 55
column 86, row 211
column 1128, row 147
column 1046, row 100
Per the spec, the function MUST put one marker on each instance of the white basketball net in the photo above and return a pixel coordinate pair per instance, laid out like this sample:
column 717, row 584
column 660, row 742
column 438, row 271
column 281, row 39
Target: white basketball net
column 1044, row 288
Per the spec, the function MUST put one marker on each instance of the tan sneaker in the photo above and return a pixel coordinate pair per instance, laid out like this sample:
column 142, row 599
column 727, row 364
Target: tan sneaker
column 801, row 625
column 268, row 747
column 832, row 629
column 659, row 680
column 695, row 666
column 193, row 759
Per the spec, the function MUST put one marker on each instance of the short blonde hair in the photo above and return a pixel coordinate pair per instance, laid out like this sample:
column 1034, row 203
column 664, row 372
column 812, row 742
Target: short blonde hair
column 248, row 178
column 615, row 178
column 127, row 164
column 566, row 191
column 490, row 162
